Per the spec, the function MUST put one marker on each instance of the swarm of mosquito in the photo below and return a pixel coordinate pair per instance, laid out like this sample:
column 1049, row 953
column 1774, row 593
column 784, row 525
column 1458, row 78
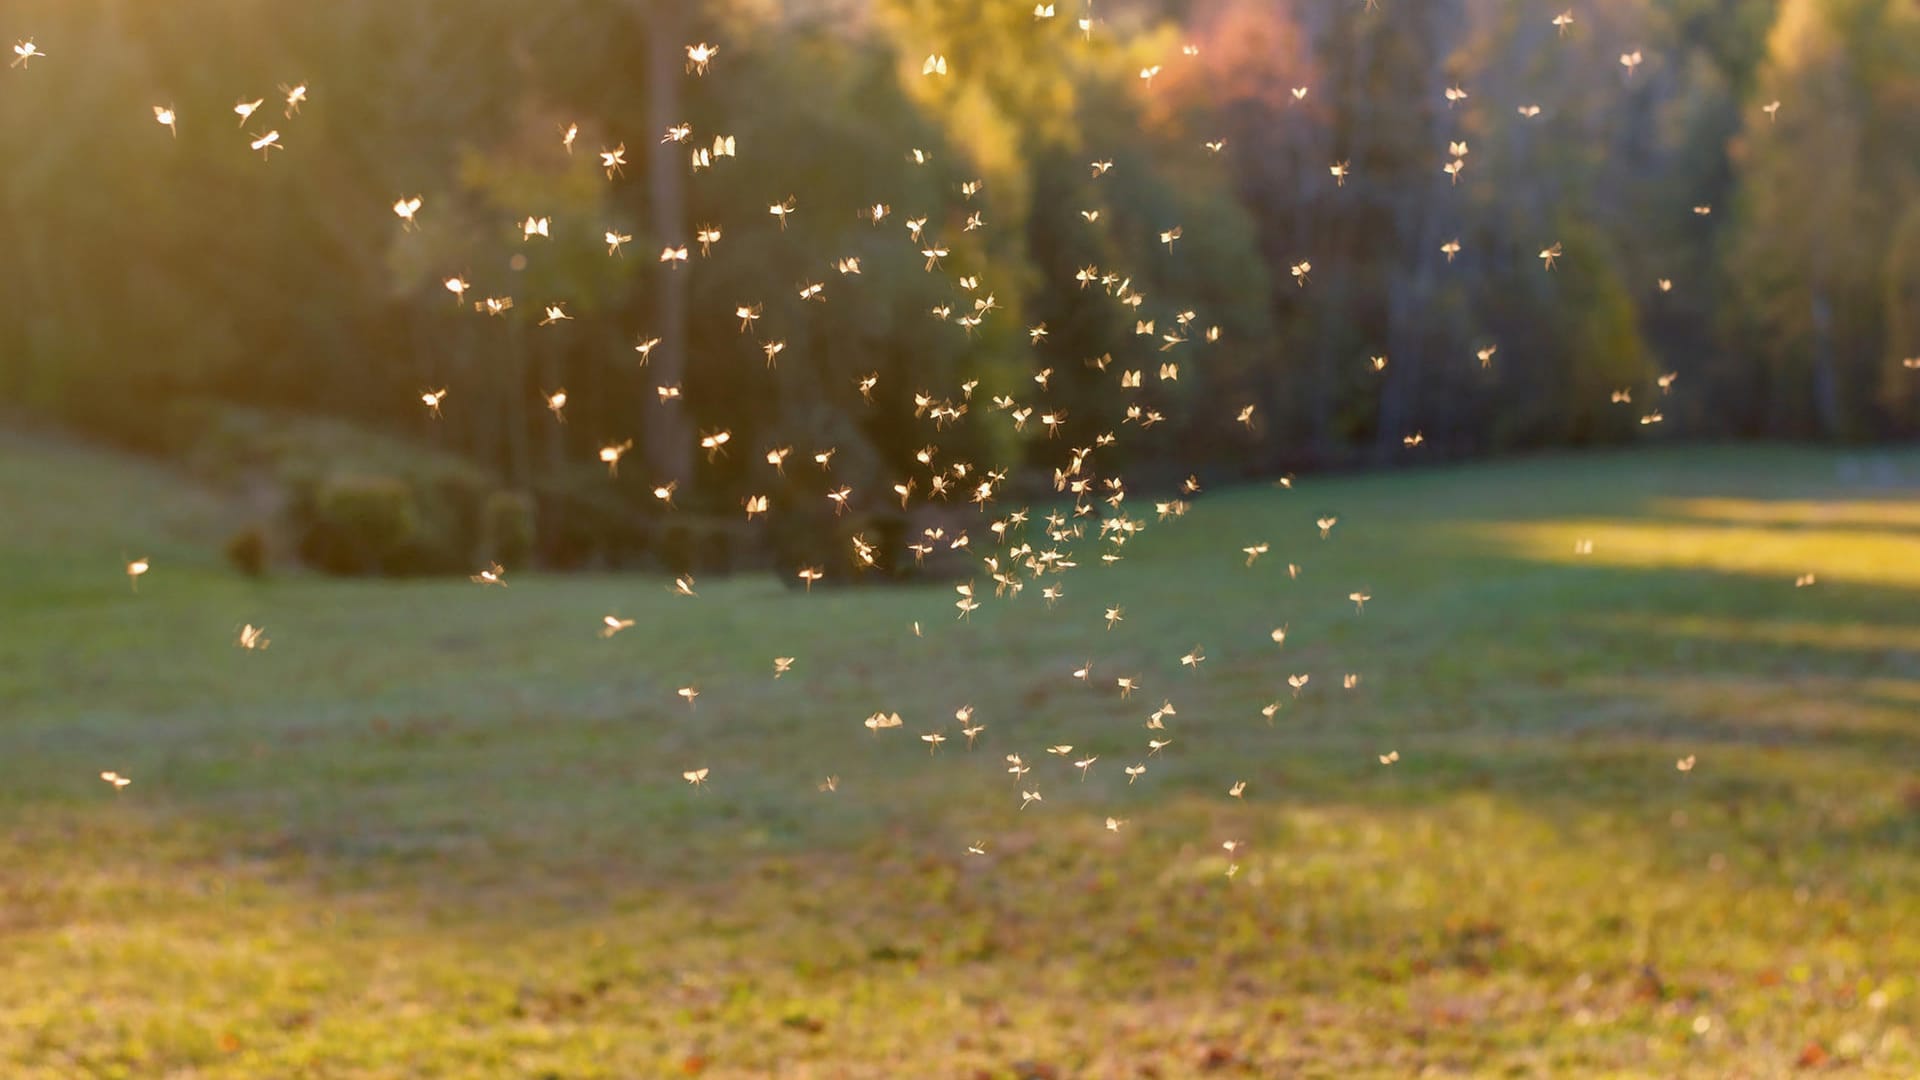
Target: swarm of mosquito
column 1026, row 548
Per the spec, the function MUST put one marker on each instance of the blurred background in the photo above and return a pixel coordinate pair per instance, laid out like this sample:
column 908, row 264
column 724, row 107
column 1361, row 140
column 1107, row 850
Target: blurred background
column 1597, row 758
column 1737, row 211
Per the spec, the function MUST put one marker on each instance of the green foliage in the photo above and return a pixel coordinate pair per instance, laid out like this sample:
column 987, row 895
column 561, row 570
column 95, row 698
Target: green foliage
column 355, row 524
column 286, row 287
column 510, row 528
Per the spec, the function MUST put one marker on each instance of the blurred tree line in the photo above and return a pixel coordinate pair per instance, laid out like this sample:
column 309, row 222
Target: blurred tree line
column 275, row 322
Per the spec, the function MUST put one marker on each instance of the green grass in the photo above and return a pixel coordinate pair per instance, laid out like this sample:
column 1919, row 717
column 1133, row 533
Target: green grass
column 438, row 829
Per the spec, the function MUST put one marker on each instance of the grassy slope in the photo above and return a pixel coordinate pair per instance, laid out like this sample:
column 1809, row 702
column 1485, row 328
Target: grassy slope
column 438, row 829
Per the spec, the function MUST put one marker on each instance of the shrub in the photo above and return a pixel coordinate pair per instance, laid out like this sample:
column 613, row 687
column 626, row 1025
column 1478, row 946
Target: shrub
column 583, row 522
column 247, row 551
column 509, row 527
column 361, row 524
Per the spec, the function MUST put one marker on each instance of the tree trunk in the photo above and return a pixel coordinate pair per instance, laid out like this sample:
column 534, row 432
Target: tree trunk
column 668, row 441
column 1826, row 380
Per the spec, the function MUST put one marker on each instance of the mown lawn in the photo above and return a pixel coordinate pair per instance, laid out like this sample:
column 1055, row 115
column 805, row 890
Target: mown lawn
column 440, row 830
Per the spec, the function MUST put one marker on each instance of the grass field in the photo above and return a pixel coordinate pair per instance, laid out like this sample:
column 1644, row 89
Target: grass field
column 440, row 830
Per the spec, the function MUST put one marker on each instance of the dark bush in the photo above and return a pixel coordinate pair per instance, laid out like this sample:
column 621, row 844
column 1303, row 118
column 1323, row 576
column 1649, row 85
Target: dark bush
column 361, row 524
column 583, row 522
column 510, row 528
column 247, row 551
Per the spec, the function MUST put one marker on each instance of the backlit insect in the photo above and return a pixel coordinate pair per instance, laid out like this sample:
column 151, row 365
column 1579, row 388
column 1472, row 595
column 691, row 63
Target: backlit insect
column 615, row 240
column 494, row 305
column 535, row 226
column 432, row 399
column 493, row 574
column 567, row 135
column 118, row 781
column 613, row 624
column 1359, row 599
column 1562, row 21
column 1238, row 790
column 24, row 52
column 252, row 638
column 687, row 694
column 1300, row 271
column 267, row 143
column 614, row 160
column 1630, row 60
column 935, row 64
column 1339, row 170
column 294, row 95
column 696, row 777
column 782, row 210
column 405, row 208
column 135, row 570
column 1549, row 254
column 1455, row 95
column 555, row 313
column 1390, row 757
column 700, row 56
column 1685, row 764
column 245, row 110
column 611, row 454
column 163, row 115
